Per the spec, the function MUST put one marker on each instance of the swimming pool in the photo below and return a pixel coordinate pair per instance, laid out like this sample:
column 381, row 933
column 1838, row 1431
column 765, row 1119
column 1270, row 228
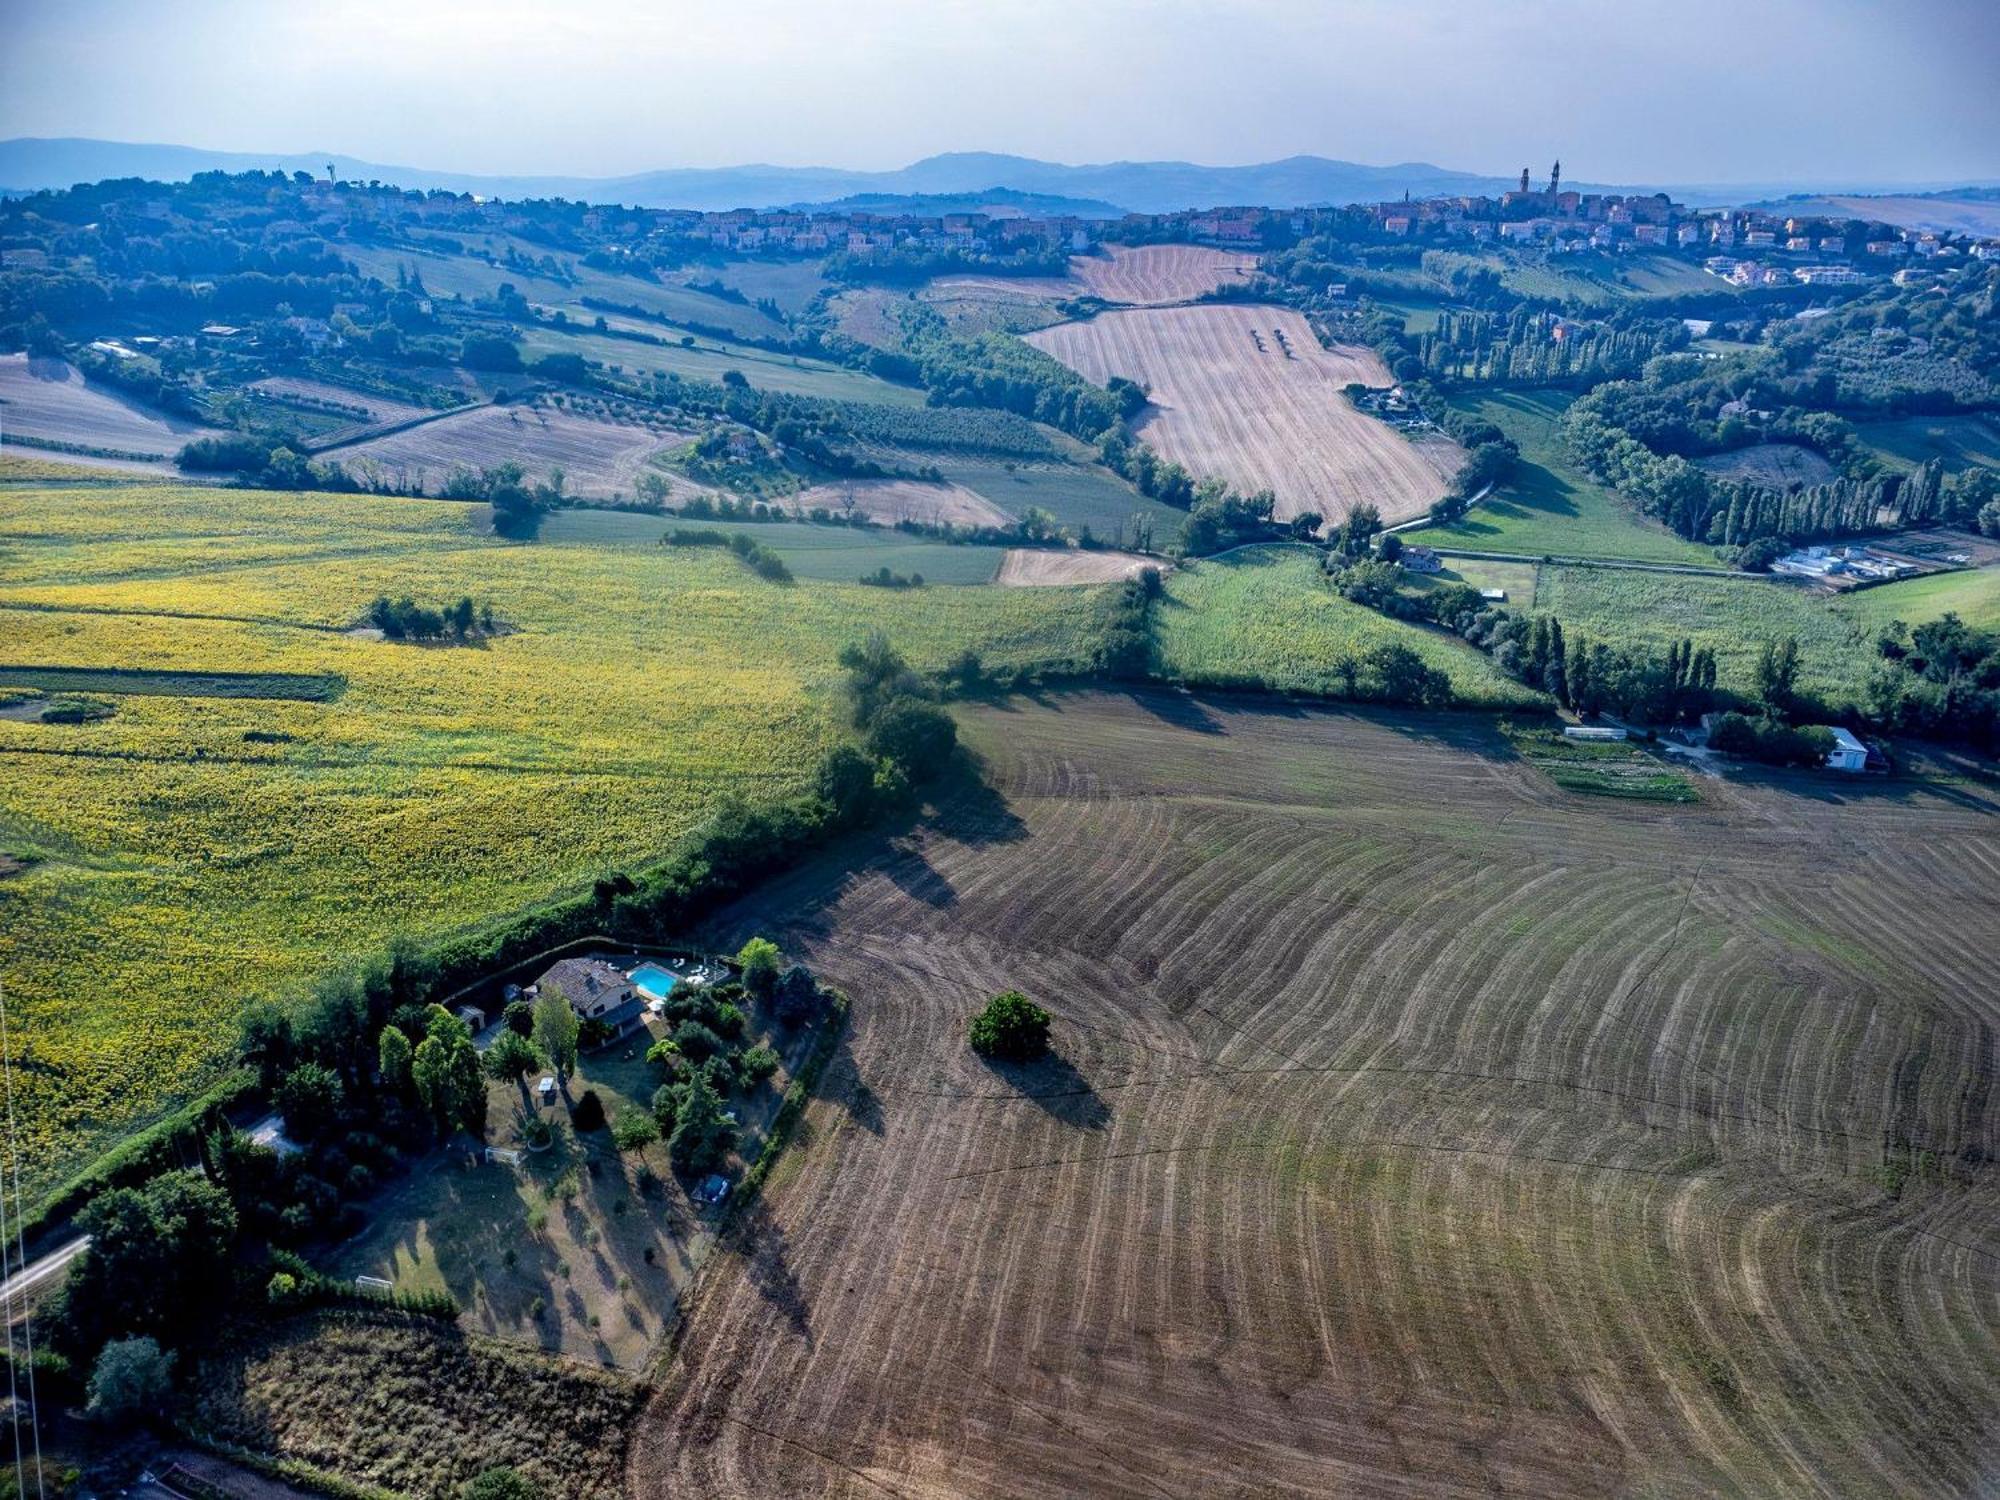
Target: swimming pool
column 654, row 981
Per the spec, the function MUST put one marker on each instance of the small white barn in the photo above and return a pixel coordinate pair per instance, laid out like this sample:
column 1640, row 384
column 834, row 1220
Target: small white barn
column 1597, row 733
column 1848, row 753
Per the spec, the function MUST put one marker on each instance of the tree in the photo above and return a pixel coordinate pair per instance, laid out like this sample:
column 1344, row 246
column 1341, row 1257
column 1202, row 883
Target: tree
column 132, row 1378
column 634, row 1130
column 845, row 782
column 759, row 958
column 589, row 1112
column 265, row 1041
column 917, row 737
column 701, row 1138
column 557, row 1030
column 510, row 1058
column 1011, row 1026
column 393, row 1058
column 158, row 1262
column 1777, row 672
column 430, row 1070
column 309, row 1098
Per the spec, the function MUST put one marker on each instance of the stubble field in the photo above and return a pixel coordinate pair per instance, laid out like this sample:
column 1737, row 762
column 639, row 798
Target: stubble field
column 1233, row 400
column 1418, row 1129
column 49, row 399
column 598, row 459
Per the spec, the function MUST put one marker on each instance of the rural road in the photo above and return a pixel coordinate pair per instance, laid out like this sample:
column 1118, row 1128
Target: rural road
column 36, row 1272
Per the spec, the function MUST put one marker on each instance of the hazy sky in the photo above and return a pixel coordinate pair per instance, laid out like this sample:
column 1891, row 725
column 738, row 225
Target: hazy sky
column 1623, row 90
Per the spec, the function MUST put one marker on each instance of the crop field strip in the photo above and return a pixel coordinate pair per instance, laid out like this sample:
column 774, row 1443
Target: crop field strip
column 1419, row 1129
column 1232, row 401
column 190, row 853
column 298, row 686
column 598, row 458
column 48, row 399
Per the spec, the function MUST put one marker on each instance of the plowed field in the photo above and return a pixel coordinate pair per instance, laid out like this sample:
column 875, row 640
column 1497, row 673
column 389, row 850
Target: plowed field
column 1418, row 1129
column 1234, row 400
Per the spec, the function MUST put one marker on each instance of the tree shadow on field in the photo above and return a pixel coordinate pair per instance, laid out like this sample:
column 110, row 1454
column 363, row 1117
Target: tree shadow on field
column 850, row 1089
column 760, row 1240
column 915, row 876
column 1177, row 710
column 1054, row 1084
column 969, row 808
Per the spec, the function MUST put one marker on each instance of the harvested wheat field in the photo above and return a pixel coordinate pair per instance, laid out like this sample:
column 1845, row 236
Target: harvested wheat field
column 48, row 399
column 1147, row 275
column 1030, row 567
column 893, row 500
column 598, row 458
column 1417, row 1129
column 1234, row 400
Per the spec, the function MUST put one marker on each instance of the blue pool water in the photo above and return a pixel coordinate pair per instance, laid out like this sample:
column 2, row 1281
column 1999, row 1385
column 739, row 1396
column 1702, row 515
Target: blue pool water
column 654, row 980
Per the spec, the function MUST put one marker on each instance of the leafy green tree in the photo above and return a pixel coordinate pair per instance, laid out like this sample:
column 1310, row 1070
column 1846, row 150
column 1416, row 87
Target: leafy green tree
column 759, row 958
column 510, row 1059
column 158, row 1262
column 431, row 1071
column 634, row 1130
column 310, row 1098
column 701, row 1138
column 393, row 1057
column 556, row 1031
column 916, row 736
column 131, row 1378
column 845, row 782
column 1778, row 672
column 1011, row 1026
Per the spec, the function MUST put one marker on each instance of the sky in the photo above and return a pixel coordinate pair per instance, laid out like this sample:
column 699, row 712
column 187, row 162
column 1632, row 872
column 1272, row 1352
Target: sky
column 1660, row 91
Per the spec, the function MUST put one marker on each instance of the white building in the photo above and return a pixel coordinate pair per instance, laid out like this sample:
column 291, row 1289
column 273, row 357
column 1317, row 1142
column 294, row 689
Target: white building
column 1848, row 753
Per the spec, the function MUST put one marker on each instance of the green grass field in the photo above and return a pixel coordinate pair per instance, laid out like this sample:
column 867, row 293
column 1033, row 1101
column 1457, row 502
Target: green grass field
column 835, row 554
column 708, row 359
column 1077, row 495
column 189, row 853
column 448, row 275
column 1549, row 507
column 1973, row 595
column 1733, row 615
column 1267, row 614
column 1961, row 441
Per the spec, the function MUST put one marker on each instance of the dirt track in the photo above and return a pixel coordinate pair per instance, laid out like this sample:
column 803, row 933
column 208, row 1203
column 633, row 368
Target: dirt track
column 1233, row 400
column 1418, row 1130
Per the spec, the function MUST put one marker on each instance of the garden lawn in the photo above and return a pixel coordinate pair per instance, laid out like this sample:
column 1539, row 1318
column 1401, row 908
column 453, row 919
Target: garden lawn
column 1266, row 616
column 1549, row 508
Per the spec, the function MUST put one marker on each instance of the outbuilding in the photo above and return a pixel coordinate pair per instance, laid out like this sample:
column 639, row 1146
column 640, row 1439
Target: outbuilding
column 1848, row 753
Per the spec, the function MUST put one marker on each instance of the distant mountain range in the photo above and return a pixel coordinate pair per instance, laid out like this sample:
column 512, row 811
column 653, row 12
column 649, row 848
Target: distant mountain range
column 29, row 164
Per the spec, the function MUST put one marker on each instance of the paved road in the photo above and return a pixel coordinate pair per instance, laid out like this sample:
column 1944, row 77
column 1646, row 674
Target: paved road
column 36, row 1272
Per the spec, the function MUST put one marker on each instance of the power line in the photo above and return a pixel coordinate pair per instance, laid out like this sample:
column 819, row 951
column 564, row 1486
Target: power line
column 21, row 1256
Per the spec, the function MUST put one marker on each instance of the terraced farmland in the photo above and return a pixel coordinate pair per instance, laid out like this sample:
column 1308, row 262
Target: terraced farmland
column 1417, row 1128
column 1233, row 399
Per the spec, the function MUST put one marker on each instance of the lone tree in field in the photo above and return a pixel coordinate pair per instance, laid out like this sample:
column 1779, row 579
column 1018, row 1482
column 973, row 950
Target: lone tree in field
column 1011, row 1027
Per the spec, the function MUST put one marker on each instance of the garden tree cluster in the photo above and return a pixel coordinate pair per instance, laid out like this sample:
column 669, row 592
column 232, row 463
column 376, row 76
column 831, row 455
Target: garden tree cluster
column 446, row 1073
column 406, row 620
column 1529, row 348
column 908, row 265
column 558, row 1031
column 1383, row 587
column 133, row 1379
column 1591, row 677
column 1941, row 679
column 1220, row 519
column 1011, row 1027
column 1770, row 740
column 159, row 1265
column 1491, row 461
column 1153, row 476
column 883, row 578
column 260, row 461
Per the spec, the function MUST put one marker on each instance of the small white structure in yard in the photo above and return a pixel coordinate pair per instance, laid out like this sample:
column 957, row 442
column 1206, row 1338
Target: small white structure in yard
column 1596, row 733
column 546, row 1089
column 711, row 1189
column 1494, row 596
column 374, row 1284
column 503, row 1154
column 1848, row 753
column 473, row 1016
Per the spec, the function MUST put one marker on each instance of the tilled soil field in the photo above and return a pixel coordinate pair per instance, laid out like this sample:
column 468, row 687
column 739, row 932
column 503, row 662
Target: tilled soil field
column 1416, row 1129
column 1245, row 393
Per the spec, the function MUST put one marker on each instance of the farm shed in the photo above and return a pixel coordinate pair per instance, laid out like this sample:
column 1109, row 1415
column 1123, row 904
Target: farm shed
column 1420, row 559
column 1596, row 733
column 1848, row 753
